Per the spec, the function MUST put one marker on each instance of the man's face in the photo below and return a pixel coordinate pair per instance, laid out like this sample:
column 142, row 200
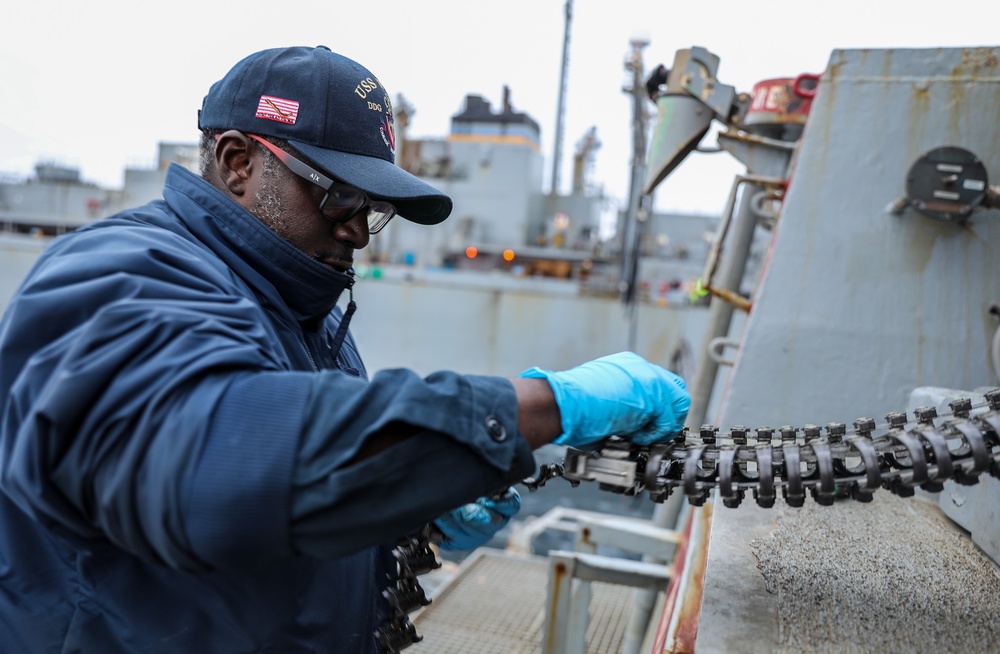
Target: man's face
column 289, row 205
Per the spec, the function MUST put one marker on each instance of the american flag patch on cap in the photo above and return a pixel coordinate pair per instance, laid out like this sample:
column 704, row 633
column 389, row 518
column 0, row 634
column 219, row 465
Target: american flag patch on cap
column 279, row 109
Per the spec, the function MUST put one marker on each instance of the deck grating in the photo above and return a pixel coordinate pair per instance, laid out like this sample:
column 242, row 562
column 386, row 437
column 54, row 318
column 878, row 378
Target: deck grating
column 495, row 604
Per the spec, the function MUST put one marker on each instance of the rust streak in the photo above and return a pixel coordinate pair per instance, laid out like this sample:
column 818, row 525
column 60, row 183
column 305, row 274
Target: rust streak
column 690, row 608
column 560, row 572
column 673, row 588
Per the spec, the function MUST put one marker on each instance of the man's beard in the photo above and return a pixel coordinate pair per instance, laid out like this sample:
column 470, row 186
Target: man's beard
column 268, row 208
column 267, row 202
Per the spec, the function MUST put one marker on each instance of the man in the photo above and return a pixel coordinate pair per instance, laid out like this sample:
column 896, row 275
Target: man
column 192, row 458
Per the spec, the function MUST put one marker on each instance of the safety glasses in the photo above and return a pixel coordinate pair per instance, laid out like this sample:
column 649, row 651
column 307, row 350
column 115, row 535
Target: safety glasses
column 342, row 202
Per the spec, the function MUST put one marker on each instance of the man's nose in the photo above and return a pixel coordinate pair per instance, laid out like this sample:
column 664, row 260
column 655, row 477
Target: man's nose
column 355, row 230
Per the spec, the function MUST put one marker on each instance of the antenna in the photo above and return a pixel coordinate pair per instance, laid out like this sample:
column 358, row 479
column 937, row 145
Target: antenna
column 561, row 107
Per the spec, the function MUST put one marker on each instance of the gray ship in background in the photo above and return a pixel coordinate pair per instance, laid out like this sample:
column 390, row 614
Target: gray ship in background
column 853, row 273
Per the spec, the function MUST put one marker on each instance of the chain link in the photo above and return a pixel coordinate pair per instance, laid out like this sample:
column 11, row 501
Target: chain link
column 828, row 463
column 414, row 557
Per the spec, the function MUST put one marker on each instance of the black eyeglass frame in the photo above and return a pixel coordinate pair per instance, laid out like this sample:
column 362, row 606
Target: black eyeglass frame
column 380, row 212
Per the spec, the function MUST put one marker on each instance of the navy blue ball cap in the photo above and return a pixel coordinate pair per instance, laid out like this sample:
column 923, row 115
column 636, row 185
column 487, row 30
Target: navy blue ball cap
column 334, row 111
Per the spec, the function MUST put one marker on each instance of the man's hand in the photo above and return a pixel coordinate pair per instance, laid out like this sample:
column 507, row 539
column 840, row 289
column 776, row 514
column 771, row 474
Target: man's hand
column 472, row 525
column 617, row 395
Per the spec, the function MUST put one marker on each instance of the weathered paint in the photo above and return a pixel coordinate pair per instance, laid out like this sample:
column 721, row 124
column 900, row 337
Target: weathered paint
column 556, row 607
column 858, row 306
column 689, row 609
column 677, row 629
column 851, row 289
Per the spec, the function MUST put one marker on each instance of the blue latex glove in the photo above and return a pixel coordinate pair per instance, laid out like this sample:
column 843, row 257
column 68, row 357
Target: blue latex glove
column 472, row 525
column 617, row 395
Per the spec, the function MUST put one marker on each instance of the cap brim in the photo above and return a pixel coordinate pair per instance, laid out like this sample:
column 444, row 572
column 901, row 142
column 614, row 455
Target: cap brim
column 415, row 200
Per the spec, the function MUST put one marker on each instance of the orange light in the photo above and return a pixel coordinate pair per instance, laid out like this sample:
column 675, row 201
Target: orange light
column 508, row 255
column 471, row 251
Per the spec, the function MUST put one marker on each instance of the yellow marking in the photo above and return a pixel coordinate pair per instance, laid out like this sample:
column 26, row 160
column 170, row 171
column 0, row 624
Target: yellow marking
column 483, row 138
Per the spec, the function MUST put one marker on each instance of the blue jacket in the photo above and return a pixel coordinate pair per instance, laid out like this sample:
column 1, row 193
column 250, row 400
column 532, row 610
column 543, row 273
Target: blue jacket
column 177, row 436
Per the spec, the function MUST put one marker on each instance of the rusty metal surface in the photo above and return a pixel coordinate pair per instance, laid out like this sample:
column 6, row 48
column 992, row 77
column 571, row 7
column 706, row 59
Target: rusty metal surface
column 779, row 107
column 676, row 628
column 688, row 608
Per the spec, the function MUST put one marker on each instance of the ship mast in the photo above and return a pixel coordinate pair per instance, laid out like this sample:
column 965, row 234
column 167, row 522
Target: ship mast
column 639, row 203
column 561, row 106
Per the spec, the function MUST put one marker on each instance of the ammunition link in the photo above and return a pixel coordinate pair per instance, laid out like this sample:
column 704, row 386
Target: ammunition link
column 414, row 557
column 826, row 463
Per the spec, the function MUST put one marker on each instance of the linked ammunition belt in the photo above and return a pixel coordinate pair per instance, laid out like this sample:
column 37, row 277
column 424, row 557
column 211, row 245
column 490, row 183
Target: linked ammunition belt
column 828, row 463
column 414, row 557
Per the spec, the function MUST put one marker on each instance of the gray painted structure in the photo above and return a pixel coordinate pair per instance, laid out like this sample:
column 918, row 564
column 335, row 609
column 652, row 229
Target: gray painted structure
column 858, row 307
column 17, row 255
column 491, row 166
column 494, row 324
column 54, row 199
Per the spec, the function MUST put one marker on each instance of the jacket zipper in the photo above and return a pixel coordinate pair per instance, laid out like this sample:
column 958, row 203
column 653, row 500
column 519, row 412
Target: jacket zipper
column 309, row 354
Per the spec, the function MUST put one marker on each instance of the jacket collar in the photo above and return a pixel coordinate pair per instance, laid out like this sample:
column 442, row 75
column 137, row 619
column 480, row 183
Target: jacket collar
column 279, row 272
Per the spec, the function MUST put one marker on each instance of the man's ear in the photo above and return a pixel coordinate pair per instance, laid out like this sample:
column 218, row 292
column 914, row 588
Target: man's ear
column 235, row 162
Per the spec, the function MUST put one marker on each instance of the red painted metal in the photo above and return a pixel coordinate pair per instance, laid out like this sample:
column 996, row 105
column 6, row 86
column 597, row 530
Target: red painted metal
column 780, row 106
column 806, row 85
column 677, row 629
column 659, row 642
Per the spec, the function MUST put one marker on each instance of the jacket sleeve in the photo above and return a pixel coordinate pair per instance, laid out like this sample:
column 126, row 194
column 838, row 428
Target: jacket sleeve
column 146, row 404
column 463, row 444
column 113, row 361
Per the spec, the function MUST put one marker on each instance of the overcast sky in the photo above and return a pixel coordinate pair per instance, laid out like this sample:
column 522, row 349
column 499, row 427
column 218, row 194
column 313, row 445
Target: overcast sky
column 98, row 84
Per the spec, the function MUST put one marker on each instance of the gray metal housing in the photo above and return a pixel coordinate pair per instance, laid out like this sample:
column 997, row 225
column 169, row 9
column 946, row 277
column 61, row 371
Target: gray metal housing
column 857, row 307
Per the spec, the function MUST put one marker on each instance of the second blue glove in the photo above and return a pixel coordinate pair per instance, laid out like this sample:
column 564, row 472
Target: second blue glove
column 472, row 525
